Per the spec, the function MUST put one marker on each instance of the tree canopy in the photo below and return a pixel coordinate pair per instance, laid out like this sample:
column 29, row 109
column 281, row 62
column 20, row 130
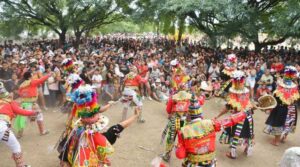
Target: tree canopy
column 81, row 16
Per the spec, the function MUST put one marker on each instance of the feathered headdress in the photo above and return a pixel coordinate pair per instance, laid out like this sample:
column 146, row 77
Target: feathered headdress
column 68, row 64
column 238, row 80
column 85, row 98
column 287, row 90
column 290, row 73
column 238, row 96
column 74, row 81
column 230, row 64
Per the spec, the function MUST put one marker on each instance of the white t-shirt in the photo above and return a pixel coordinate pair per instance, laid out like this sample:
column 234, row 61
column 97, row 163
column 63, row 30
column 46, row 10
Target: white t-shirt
column 97, row 79
column 250, row 81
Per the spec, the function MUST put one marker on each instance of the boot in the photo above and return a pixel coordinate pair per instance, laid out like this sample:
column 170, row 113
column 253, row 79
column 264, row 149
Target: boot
column 18, row 158
column 42, row 128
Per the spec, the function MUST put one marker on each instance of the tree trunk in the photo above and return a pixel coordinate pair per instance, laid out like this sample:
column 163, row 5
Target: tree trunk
column 180, row 34
column 212, row 40
column 157, row 28
column 258, row 46
column 77, row 39
column 181, row 28
column 62, row 38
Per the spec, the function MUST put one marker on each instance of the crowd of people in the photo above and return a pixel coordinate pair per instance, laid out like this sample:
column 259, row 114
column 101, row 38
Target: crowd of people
column 130, row 69
column 104, row 62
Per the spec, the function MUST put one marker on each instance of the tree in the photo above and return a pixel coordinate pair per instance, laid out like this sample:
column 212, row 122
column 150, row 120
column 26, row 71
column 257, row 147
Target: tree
column 210, row 17
column 277, row 19
column 48, row 13
column 88, row 15
column 61, row 15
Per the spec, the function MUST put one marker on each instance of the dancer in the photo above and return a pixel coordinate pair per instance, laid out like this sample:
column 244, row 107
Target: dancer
column 132, row 81
column 178, row 76
column 177, row 107
column 229, row 67
column 72, row 83
column 130, row 99
column 283, row 118
column 9, row 109
column 196, row 140
column 68, row 69
column 238, row 100
column 28, row 92
column 88, row 143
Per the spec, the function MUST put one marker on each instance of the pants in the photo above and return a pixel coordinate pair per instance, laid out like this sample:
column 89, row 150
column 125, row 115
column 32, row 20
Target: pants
column 8, row 137
column 53, row 96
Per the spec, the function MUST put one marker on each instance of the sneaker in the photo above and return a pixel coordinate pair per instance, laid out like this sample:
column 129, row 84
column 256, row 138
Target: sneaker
column 150, row 98
column 143, row 97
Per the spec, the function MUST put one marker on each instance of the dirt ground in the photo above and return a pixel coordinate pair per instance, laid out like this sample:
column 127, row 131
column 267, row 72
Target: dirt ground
column 38, row 150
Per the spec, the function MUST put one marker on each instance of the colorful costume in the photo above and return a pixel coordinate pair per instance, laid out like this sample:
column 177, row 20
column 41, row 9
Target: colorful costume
column 129, row 99
column 196, row 140
column 87, row 144
column 72, row 83
column 28, row 92
column 8, row 110
column 229, row 67
column 283, row 118
column 238, row 100
column 132, row 81
column 68, row 65
column 177, row 107
column 179, row 78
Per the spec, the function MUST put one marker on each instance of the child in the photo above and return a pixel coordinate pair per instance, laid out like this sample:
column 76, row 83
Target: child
column 97, row 80
column 216, row 85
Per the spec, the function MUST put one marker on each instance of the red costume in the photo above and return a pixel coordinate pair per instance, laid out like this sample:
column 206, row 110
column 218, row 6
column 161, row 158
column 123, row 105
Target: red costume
column 278, row 67
column 11, row 109
column 196, row 140
column 177, row 108
column 134, row 80
column 29, row 88
column 8, row 110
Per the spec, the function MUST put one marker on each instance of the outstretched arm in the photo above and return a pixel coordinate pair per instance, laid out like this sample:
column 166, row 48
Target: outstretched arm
column 40, row 80
column 230, row 121
column 18, row 110
column 106, row 107
column 131, row 119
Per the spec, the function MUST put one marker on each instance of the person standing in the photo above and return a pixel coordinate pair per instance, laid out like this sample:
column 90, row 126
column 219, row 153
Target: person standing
column 28, row 92
column 238, row 100
column 196, row 140
column 283, row 118
column 8, row 110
